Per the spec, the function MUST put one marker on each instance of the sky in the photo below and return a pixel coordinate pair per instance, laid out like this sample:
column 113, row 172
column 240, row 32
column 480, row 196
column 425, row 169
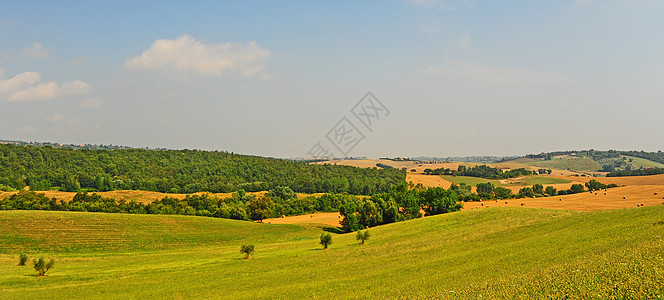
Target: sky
column 400, row 78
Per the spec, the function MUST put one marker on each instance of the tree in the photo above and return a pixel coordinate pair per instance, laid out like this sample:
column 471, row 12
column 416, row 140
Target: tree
column 247, row 250
column 551, row 191
column 437, row 200
column 538, row 189
column 576, row 188
column 260, row 208
column 325, row 240
column 42, row 266
column 362, row 236
column 485, row 190
column 594, row 185
column 526, row 192
column 282, row 192
column 502, row 193
column 22, row 258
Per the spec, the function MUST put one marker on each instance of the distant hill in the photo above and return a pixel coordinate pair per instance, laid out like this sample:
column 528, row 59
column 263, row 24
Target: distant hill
column 595, row 160
column 69, row 146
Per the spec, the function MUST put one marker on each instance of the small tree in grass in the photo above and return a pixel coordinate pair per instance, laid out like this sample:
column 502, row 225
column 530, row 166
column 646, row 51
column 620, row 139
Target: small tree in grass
column 42, row 266
column 325, row 240
column 22, row 259
column 362, row 236
column 247, row 250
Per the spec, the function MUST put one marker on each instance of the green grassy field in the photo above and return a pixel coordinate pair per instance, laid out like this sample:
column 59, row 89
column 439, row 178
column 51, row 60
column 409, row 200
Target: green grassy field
column 640, row 162
column 531, row 180
column 572, row 163
column 489, row 253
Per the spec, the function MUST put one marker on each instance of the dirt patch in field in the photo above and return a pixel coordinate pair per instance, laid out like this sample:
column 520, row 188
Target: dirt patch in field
column 615, row 198
column 331, row 219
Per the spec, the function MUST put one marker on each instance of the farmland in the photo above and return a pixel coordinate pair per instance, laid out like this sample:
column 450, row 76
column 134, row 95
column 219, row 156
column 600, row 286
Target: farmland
column 499, row 251
column 604, row 244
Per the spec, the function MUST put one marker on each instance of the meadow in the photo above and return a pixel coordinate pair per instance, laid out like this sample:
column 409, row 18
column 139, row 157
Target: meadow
column 488, row 253
column 568, row 163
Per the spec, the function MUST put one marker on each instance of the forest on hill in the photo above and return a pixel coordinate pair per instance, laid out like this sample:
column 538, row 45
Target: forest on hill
column 179, row 171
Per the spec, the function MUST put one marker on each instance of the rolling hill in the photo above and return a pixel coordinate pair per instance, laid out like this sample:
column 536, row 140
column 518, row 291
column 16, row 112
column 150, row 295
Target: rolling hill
column 489, row 253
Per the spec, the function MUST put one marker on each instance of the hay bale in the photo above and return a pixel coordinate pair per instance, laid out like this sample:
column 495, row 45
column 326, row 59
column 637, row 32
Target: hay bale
column 624, row 197
column 522, row 204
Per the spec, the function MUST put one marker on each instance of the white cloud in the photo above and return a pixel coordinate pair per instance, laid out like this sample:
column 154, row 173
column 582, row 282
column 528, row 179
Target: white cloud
column 187, row 54
column 91, row 103
column 36, row 50
column 461, row 71
column 28, row 86
column 18, row 82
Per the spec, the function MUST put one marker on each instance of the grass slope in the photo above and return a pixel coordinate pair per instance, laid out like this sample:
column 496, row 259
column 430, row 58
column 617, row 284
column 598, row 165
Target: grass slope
column 638, row 162
column 569, row 163
column 492, row 253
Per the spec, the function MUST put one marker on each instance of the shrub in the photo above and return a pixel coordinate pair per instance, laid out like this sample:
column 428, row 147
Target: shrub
column 362, row 236
column 22, row 259
column 42, row 266
column 325, row 240
column 247, row 250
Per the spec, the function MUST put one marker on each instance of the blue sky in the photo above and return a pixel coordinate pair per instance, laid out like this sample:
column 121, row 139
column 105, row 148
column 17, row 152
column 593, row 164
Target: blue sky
column 273, row 77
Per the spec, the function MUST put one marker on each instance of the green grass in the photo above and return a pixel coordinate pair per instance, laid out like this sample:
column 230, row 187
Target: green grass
column 572, row 163
column 638, row 162
column 490, row 253
column 531, row 180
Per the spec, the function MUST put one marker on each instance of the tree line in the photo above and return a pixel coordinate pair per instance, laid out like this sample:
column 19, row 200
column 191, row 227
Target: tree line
column 481, row 171
column 281, row 201
column 402, row 202
column 179, row 171
column 639, row 172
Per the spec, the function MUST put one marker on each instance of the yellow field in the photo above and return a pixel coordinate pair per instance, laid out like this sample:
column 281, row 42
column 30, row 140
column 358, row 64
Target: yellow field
column 331, row 219
column 599, row 200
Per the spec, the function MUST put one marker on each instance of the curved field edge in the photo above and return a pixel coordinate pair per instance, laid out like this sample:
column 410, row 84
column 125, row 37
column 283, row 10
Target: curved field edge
column 493, row 253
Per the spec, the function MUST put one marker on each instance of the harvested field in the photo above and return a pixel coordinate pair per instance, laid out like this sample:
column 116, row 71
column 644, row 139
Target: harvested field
column 428, row 180
column 331, row 219
column 634, row 195
column 627, row 180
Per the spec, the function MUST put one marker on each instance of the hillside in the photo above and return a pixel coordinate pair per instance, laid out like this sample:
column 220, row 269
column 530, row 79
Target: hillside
column 178, row 171
column 489, row 253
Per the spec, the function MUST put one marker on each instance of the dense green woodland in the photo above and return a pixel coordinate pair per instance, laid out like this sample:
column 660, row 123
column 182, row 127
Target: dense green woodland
column 482, row 171
column 179, row 171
